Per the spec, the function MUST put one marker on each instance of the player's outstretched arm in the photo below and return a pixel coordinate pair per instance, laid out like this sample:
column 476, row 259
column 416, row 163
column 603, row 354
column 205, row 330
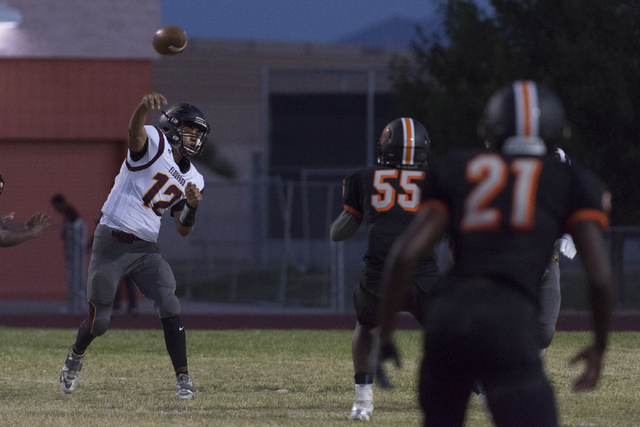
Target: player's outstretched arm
column 588, row 239
column 186, row 218
column 137, row 134
column 32, row 228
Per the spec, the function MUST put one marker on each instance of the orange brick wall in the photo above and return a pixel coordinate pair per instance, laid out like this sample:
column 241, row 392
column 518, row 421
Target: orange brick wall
column 65, row 131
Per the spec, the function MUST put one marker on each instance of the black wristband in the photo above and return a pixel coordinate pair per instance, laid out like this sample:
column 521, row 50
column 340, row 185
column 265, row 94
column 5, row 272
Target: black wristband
column 188, row 215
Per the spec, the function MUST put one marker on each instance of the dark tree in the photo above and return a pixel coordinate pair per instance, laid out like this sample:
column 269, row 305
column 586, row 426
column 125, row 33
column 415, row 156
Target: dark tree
column 587, row 52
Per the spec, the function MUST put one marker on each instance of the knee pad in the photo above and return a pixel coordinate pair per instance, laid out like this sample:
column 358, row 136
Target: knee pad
column 169, row 306
column 100, row 318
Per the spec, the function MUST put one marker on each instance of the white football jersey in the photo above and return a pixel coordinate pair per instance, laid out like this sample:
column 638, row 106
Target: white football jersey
column 145, row 189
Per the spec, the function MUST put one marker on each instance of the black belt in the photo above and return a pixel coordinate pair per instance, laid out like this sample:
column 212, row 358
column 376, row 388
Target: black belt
column 125, row 237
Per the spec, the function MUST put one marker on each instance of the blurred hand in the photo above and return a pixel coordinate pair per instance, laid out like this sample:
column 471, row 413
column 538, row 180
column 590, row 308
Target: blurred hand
column 7, row 217
column 193, row 194
column 37, row 223
column 566, row 247
column 154, row 100
column 589, row 379
column 386, row 350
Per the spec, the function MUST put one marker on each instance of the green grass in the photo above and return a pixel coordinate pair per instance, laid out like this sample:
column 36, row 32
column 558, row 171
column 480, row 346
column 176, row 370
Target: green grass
column 262, row 377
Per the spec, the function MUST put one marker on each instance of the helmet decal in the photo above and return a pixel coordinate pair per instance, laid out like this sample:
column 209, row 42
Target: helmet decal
column 524, row 118
column 408, row 145
column 527, row 110
column 404, row 142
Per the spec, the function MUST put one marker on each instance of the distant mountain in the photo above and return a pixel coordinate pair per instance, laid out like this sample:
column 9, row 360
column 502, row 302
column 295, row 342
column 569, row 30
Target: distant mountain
column 395, row 32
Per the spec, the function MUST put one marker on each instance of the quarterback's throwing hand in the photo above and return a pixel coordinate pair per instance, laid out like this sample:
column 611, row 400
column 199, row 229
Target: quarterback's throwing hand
column 193, row 195
column 154, row 100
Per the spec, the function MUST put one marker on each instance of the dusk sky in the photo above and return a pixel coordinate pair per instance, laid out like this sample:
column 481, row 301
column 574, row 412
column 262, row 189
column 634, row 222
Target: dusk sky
column 321, row 21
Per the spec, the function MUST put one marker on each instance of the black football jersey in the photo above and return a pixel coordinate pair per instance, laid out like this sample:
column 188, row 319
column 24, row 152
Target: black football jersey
column 506, row 212
column 387, row 199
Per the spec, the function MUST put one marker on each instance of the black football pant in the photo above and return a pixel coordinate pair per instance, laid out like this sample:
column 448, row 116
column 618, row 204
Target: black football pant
column 487, row 335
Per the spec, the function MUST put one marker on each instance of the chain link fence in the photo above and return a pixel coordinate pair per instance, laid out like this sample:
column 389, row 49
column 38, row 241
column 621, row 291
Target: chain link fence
column 267, row 243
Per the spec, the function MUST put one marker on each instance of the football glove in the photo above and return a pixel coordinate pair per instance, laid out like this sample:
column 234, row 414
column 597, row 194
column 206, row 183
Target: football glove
column 566, row 246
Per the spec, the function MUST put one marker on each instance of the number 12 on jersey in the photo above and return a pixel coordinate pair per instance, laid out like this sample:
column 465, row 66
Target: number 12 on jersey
column 386, row 199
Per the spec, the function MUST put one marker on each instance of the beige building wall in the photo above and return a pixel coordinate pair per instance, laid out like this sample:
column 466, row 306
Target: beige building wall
column 226, row 80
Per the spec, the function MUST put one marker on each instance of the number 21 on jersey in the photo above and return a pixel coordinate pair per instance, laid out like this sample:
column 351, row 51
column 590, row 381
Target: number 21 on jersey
column 386, row 199
column 490, row 173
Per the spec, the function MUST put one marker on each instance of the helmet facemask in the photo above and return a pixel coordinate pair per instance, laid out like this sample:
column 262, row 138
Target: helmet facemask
column 189, row 130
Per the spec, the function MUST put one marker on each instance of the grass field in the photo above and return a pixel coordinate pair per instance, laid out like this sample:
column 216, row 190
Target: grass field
column 262, row 377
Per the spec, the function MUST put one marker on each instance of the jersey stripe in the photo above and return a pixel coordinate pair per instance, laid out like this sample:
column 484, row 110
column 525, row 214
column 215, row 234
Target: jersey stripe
column 588, row 215
column 353, row 211
column 156, row 157
column 435, row 204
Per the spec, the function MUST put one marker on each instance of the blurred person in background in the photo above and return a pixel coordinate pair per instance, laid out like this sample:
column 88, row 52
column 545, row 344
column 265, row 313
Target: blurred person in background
column 74, row 236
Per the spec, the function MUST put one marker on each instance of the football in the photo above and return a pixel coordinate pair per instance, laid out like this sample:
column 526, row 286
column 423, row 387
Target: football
column 170, row 40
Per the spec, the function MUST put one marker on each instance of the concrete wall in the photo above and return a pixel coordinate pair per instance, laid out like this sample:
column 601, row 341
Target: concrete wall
column 225, row 79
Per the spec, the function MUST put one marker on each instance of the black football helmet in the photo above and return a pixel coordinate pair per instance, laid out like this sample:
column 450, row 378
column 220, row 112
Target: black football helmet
column 524, row 118
column 404, row 142
column 172, row 121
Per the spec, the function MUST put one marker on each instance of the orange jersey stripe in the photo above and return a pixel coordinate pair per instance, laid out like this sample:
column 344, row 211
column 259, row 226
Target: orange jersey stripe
column 588, row 215
column 353, row 211
column 527, row 109
column 435, row 204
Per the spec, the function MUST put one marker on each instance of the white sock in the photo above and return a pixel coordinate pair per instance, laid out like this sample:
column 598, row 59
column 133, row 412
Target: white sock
column 364, row 394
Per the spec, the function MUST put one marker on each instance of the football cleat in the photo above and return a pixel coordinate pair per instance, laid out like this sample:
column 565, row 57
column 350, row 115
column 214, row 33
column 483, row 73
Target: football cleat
column 70, row 375
column 361, row 410
column 184, row 387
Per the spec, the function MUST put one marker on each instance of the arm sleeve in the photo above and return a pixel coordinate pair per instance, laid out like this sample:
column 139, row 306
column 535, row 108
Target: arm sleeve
column 351, row 196
column 586, row 202
column 178, row 207
column 344, row 226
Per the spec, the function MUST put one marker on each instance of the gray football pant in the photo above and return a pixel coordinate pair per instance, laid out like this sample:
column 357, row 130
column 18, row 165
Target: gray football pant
column 549, row 303
column 111, row 260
